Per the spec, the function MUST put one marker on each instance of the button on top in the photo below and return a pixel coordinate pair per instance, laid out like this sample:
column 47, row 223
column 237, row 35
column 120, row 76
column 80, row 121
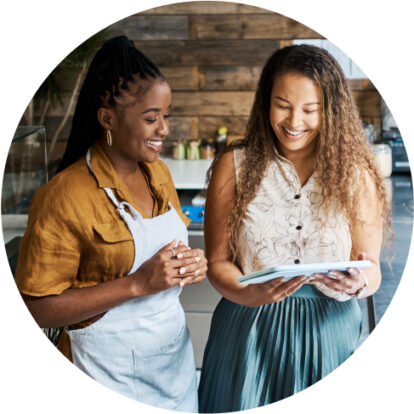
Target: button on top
column 297, row 261
column 297, row 196
column 298, row 227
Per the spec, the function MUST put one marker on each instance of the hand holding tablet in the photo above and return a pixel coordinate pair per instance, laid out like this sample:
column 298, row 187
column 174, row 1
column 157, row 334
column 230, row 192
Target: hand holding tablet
column 290, row 271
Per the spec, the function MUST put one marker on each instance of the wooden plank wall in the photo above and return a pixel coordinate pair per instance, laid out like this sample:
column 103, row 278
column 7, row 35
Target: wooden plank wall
column 212, row 53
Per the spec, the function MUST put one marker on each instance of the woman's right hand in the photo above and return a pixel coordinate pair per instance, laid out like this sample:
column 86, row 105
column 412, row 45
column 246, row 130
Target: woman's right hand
column 273, row 291
column 170, row 266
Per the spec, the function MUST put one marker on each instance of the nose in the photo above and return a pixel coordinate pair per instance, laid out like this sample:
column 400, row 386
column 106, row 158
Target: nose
column 295, row 118
column 163, row 127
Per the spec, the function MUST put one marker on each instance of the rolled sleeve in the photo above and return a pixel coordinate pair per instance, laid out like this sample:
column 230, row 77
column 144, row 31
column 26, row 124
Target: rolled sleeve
column 49, row 253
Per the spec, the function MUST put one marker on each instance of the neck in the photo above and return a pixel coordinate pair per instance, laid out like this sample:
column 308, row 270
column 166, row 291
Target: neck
column 124, row 167
column 304, row 156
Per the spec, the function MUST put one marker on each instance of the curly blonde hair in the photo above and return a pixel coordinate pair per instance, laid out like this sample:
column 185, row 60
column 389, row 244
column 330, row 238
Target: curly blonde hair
column 342, row 152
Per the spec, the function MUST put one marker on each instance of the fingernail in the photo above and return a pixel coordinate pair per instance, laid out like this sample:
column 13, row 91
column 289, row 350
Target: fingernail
column 182, row 283
column 182, row 270
column 197, row 259
column 197, row 272
column 179, row 255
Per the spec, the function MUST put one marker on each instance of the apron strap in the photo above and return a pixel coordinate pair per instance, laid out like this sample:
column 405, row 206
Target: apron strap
column 132, row 217
column 120, row 205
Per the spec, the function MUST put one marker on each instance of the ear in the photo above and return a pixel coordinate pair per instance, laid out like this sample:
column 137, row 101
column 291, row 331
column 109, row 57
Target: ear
column 106, row 117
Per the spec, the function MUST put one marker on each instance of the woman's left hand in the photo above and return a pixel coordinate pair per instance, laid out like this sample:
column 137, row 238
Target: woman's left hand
column 349, row 283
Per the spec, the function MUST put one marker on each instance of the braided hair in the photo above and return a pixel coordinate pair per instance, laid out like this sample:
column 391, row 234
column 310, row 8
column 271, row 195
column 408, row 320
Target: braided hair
column 114, row 66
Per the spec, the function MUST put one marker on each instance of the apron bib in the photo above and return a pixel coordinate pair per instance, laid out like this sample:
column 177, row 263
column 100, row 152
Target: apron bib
column 142, row 348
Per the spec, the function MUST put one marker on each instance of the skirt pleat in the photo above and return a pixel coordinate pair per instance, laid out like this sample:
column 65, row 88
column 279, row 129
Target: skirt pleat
column 257, row 356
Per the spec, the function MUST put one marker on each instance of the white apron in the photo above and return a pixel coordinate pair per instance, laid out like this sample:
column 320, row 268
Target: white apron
column 142, row 348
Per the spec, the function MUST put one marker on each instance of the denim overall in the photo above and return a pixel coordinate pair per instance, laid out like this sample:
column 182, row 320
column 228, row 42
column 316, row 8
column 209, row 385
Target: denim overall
column 142, row 348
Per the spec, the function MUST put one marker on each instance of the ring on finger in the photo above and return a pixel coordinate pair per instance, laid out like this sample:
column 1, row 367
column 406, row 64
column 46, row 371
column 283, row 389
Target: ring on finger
column 284, row 294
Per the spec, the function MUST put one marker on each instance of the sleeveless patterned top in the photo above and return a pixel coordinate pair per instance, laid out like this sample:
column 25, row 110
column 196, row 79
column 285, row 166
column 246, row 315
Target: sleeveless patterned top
column 283, row 225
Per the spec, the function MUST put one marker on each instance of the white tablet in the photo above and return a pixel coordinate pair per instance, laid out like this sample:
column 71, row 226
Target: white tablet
column 290, row 271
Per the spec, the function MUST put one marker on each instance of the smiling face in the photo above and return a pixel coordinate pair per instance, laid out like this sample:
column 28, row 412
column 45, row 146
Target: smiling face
column 295, row 113
column 140, row 124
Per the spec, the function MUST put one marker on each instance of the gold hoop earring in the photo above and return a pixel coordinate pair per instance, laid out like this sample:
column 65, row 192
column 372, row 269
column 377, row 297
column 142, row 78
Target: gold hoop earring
column 109, row 137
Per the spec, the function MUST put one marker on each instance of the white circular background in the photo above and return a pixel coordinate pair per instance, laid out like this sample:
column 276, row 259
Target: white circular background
column 36, row 36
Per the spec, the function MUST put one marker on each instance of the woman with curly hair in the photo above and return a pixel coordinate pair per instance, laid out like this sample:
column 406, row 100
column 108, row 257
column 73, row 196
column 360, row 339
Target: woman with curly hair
column 302, row 187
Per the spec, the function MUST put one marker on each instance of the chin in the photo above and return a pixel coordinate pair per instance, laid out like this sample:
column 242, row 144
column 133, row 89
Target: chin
column 150, row 157
column 145, row 154
column 293, row 146
column 298, row 144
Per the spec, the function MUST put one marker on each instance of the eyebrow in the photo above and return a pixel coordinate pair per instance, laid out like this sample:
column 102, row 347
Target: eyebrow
column 285, row 100
column 154, row 110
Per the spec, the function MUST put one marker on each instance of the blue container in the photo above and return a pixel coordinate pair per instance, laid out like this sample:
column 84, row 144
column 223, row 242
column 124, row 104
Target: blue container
column 194, row 213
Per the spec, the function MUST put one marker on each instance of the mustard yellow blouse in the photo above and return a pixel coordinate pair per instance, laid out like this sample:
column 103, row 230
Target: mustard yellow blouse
column 74, row 237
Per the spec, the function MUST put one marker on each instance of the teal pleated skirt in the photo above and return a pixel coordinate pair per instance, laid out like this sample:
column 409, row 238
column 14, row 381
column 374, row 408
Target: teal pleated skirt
column 257, row 356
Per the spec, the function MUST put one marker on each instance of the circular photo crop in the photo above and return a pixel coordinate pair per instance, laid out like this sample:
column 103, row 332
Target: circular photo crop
column 207, row 207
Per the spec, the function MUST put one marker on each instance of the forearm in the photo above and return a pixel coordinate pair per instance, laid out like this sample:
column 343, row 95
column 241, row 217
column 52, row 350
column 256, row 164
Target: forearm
column 372, row 275
column 223, row 275
column 77, row 305
column 374, row 278
column 367, row 230
column 158, row 273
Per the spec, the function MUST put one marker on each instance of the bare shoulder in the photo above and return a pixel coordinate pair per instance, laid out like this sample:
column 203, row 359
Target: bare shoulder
column 222, row 186
column 366, row 187
column 367, row 199
column 223, row 175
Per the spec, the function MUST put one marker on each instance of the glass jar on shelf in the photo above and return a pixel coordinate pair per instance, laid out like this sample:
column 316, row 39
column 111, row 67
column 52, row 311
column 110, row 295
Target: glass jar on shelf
column 193, row 150
column 383, row 157
column 179, row 150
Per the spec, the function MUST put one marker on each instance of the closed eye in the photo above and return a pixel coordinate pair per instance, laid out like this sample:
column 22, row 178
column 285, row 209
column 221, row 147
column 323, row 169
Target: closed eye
column 282, row 107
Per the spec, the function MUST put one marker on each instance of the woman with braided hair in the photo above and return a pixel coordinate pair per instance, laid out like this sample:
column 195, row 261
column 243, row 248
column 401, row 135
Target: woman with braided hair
column 105, row 251
column 302, row 187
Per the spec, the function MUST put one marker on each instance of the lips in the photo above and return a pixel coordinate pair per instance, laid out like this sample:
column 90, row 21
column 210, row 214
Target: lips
column 155, row 145
column 293, row 134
